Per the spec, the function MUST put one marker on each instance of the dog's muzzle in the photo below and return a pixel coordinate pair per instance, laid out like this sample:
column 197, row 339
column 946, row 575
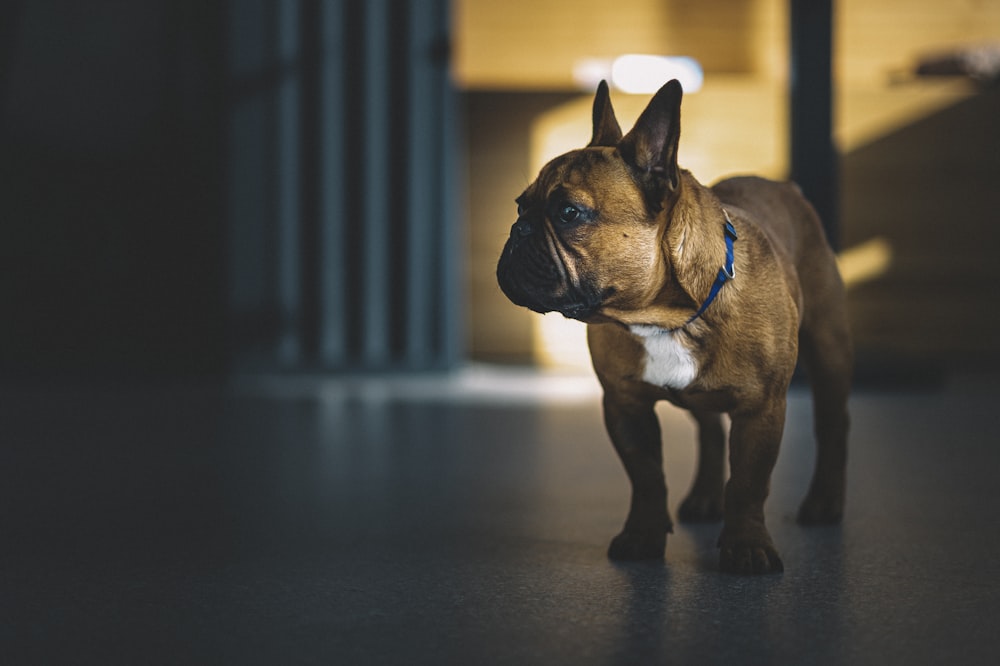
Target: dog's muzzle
column 521, row 229
column 530, row 276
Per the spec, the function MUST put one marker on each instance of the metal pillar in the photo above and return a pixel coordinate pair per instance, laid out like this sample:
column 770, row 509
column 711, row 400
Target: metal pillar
column 813, row 159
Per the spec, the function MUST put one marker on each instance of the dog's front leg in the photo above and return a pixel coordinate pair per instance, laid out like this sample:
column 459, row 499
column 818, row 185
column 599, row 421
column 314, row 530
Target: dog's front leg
column 635, row 433
column 755, row 436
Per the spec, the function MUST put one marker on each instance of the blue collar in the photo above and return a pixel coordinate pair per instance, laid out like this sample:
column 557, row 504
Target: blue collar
column 726, row 273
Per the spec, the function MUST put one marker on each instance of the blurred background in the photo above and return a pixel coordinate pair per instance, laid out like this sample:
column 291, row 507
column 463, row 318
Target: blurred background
column 307, row 186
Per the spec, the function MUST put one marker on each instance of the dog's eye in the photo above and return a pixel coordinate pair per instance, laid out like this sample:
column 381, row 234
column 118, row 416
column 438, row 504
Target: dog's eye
column 568, row 214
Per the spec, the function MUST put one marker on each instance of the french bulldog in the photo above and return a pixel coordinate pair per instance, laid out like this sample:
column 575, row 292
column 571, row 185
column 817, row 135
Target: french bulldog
column 706, row 297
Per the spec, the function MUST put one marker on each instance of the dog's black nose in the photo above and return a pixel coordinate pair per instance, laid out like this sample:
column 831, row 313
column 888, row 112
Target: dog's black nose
column 521, row 228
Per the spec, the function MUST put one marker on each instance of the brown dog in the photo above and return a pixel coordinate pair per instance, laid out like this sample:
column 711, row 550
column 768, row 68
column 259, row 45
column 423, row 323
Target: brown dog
column 705, row 297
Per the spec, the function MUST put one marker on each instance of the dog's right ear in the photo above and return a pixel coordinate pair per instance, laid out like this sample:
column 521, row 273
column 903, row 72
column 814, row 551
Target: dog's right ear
column 651, row 146
column 607, row 131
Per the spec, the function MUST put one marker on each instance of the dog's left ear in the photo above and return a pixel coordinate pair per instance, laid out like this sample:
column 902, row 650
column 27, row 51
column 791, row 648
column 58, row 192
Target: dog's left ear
column 651, row 146
column 607, row 132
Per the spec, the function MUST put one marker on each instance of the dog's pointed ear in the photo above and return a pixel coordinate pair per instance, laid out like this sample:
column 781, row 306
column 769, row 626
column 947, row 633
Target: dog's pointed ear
column 651, row 146
column 607, row 132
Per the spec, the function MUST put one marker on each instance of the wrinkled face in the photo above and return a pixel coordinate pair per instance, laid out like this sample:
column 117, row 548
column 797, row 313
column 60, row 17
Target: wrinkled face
column 584, row 239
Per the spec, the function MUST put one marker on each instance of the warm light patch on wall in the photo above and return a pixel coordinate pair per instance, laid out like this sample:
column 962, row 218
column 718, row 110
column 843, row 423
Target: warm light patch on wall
column 864, row 262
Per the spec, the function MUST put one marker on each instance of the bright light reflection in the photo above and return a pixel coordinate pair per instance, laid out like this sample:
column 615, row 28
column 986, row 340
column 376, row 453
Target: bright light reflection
column 645, row 74
column 639, row 74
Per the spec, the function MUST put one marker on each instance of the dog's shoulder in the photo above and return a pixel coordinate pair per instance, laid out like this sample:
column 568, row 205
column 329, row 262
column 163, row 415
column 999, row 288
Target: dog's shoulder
column 777, row 208
column 767, row 202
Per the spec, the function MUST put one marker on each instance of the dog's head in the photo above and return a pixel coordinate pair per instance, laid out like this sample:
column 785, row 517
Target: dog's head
column 588, row 238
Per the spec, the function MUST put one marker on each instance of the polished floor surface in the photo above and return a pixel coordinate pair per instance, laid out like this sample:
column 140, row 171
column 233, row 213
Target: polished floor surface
column 465, row 521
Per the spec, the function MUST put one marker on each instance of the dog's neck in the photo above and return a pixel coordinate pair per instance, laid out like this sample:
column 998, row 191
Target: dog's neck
column 726, row 273
column 693, row 250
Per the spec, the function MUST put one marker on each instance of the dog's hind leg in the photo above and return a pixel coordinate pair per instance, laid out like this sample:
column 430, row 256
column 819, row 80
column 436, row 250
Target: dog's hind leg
column 825, row 350
column 754, row 439
column 703, row 503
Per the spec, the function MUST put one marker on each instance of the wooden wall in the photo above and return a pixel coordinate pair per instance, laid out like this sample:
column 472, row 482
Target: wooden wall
column 533, row 44
column 876, row 38
column 929, row 188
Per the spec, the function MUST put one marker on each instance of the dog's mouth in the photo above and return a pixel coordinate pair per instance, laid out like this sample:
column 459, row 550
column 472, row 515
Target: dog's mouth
column 544, row 299
column 539, row 292
column 580, row 310
column 585, row 310
column 537, row 270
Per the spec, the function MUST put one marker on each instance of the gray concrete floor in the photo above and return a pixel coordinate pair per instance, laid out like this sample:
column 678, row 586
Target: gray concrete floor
column 465, row 521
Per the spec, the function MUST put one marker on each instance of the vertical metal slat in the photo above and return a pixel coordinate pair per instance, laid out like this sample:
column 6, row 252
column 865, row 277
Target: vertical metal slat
column 375, row 279
column 332, row 191
column 421, row 173
column 449, row 343
column 287, row 176
column 327, row 291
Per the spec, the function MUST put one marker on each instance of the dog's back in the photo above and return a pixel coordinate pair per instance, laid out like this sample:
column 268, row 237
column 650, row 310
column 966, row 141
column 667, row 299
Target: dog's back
column 781, row 211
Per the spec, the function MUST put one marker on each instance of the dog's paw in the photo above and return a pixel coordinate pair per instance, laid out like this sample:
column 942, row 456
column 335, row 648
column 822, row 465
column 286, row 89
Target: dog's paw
column 629, row 546
column 700, row 509
column 750, row 559
column 821, row 511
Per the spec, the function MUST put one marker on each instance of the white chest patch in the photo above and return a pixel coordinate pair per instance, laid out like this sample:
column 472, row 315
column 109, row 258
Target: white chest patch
column 668, row 362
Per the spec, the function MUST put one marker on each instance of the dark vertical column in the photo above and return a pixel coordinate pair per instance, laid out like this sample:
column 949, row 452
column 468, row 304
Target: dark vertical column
column 423, row 236
column 288, row 176
column 814, row 163
column 250, row 194
column 449, row 316
column 376, row 169
column 310, row 187
column 332, row 184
